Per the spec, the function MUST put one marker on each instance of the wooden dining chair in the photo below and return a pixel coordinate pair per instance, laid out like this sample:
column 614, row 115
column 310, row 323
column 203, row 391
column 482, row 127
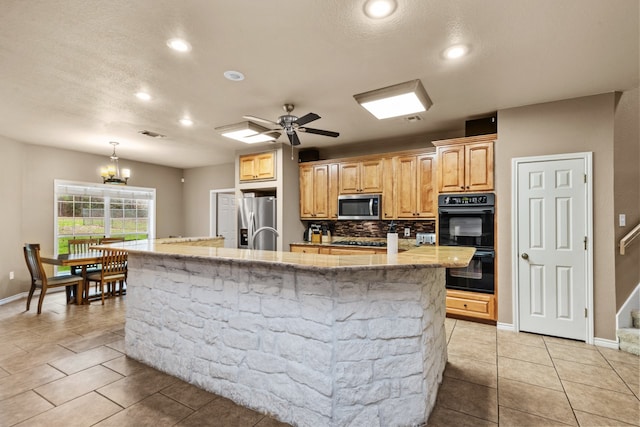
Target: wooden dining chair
column 113, row 271
column 40, row 280
column 78, row 246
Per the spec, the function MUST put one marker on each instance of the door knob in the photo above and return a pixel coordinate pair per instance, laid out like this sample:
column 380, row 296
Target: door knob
column 525, row 255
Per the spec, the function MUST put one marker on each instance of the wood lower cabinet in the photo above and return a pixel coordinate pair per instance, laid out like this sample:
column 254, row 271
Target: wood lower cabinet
column 471, row 304
column 332, row 250
column 465, row 164
column 361, row 177
column 256, row 167
column 416, row 196
column 305, row 249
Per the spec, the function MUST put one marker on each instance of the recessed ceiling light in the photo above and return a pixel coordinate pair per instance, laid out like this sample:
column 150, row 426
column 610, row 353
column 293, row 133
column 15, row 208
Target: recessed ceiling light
column 185, row 121
column 235, row 76
column 144, row 96
column 377, row 9
column 456, row 51
column 179, row 45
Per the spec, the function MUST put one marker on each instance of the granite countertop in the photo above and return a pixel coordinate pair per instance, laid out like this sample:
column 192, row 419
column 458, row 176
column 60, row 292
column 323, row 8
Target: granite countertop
column 425, row 256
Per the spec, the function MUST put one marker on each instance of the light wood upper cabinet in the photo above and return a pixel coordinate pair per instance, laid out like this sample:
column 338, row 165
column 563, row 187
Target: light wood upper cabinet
column 416, row 186
column 478, row 172
column 465, row 164
column 259, row 166
column 314, row 191
column 334, row 190
column 389, row 205
column 361, row 177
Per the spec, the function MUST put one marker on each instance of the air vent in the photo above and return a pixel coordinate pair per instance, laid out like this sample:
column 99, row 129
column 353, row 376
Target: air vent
column 152, row 134
column 413, row 119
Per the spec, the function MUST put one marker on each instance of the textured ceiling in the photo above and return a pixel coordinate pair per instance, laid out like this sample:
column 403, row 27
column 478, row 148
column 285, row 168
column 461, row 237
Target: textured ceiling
column 69, row 68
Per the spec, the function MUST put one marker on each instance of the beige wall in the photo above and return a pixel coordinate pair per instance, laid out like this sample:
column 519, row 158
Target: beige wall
column 626, row 173
column 198, row 182
column 569, row 126
column 386, row 145
column 27, row 189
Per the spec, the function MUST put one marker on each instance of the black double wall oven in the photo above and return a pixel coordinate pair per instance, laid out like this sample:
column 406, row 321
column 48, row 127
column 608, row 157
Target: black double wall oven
column 468, row 220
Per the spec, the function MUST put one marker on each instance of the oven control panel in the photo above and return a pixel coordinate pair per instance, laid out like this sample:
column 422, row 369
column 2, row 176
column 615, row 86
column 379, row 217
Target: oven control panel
column 485, row 199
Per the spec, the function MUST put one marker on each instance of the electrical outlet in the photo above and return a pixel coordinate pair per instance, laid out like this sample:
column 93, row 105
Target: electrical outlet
column 622, row 220
column 11, row 275
column 407, row 232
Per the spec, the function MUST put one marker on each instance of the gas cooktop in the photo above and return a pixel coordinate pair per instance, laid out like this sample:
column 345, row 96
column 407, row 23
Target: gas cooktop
column 359, row 243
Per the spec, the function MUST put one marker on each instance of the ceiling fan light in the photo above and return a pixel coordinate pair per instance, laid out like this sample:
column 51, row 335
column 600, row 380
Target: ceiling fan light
column 247, row 132
column 397, row 100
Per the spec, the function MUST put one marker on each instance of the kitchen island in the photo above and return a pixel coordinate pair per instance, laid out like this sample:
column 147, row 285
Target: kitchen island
column 313, row 340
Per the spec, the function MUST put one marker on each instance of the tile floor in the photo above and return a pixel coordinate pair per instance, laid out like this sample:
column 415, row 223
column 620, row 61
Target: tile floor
column 67, row 367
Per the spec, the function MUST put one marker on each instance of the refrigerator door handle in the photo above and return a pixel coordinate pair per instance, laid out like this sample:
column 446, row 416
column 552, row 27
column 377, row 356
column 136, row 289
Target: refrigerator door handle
column 251, row 227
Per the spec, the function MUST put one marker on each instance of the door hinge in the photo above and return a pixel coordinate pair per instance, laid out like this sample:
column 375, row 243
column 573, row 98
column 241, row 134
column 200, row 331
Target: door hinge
column 585, row 243
column 585, row 312
column 585, row 178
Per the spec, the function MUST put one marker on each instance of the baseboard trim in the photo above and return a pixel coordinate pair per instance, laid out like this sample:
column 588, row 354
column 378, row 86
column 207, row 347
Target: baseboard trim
column 601, row 342
column 505, row 326
column 13, row 298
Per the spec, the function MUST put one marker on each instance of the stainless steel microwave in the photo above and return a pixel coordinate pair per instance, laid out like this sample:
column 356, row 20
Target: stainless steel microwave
column 359, row 206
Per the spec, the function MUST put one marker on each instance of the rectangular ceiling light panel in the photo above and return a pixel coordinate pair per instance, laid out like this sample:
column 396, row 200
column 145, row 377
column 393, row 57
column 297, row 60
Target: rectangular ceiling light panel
column 397, row 100
column 247, row 132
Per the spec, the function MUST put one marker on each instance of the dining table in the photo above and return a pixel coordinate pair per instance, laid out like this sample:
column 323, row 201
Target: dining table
column 82, row 260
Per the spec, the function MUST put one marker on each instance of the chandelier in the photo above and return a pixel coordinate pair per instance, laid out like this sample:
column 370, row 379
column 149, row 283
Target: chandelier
column 111, row 173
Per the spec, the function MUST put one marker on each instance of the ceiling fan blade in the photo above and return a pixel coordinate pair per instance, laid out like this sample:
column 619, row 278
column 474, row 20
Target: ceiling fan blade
column 293, row 138
column 258, row 119
column 320, row 132
column 307, row 118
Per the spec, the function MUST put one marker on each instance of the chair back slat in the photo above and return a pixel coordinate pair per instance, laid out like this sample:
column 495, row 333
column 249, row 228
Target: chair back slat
column 32, row 258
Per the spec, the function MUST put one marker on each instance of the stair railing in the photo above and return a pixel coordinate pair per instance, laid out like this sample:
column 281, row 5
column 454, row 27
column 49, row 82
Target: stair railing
column 628, row 238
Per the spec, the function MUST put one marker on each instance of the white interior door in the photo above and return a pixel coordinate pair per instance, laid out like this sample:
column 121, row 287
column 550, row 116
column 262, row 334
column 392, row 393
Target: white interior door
column 552, row 228
column 226, row 219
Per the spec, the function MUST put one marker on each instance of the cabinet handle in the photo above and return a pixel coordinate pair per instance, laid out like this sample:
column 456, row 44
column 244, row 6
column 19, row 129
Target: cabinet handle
column 465, row 306
column 462, row 187
column 467, row 187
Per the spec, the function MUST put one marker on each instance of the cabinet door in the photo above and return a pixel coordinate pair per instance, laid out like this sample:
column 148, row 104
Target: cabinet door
column 321, row 191
column 304, row 249
column 388, row 190
column 371, row 176
column 265, row 166
column 426, row 189
column 451, row 169
column 340, row 251
column 349, row 178
column 479, row 166
column 247, row 168
column 257, row 166
column 406, row 186
column 314, row 191
column 334, row 191
column 306, row 191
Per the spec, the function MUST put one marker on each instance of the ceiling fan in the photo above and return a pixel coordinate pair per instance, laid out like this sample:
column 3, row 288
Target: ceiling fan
column 290, row 124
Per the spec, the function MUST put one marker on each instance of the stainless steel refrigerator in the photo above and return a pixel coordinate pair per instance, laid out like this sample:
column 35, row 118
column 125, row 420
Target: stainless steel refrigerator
column 257, row 223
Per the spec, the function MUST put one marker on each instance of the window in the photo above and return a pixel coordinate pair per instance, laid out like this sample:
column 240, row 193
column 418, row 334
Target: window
column 102, row 210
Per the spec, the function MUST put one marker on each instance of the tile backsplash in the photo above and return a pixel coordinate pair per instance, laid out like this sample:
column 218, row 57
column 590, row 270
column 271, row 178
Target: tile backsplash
column 375, row 228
